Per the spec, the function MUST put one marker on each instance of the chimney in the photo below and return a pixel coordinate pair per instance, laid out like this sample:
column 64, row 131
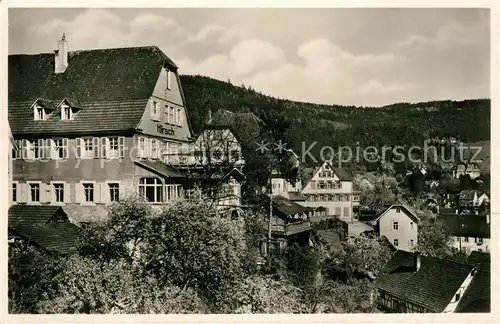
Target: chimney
column 416, row 261
column 61, row 55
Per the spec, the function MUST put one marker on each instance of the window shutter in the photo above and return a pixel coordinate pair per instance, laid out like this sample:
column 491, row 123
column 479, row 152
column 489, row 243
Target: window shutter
column 79, row 145
column 41, row 148
column 65, row 148
column 169, row 82
column 121, row 146
column 24, row 149
column 78, row 193
column 95, row 146
column 49, row 148
column 147, row 147
column 97, row 193
column 313, row 184
column 104, row 145
column 104, row 192
column 67, row 193
column 23, row 192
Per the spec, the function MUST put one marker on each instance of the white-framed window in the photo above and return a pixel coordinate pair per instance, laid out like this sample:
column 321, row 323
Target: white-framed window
column 39, row 112
column 59, row 148
column 58, row 192
column 395, row 226
column 398, row 209
column 66, row 112
column 173, row 192
column 179, row 117
column 466, row 239
column 34, row 149
column 155, row 112
column 88, row 192
column 171, row 115
column 17, row 150
column 396, row 242
column 34, row 191
column 154, row 148
column 87, row 147
column 169, row 81
column 114, row 191
column 151, row 189
column 113, row 147
column 142, row 147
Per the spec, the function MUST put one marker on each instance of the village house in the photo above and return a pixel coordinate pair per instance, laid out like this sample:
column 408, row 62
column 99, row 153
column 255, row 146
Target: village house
column 477, row 297
column 469, row 231
column 472, row 198
column 412, row 283
column 330, row 192
column 399, row 224
column 93, row 126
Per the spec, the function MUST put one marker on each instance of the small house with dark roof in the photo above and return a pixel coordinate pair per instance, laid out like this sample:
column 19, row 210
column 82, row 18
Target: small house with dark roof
column 477, row 298
column 399, row 224
column 469, row 231
column 93, row 126
column 412, row 283
column 472, row 198
column 332, row 188
column 47, row 227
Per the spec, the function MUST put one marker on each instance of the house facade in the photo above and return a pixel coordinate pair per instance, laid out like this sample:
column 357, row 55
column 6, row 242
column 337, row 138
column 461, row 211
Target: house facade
column 9, row 166
column 469, row 231
column 331, row 191
column 85, row 138
column 399, row 224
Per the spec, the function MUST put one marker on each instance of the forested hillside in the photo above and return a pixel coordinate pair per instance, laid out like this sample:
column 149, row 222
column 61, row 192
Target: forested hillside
column 397, row 124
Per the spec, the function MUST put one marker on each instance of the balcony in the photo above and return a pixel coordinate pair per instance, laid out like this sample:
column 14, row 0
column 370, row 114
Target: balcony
column 291, row 228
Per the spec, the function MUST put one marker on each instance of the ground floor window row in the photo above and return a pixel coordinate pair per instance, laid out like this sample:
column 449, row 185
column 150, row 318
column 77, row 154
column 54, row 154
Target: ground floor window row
column 397, row 305
column 152, row 189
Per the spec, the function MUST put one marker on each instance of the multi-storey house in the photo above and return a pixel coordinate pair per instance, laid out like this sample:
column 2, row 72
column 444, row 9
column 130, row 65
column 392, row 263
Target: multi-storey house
column 92, row 126
column 330, row 192
column 469, row 231
column 399, row 224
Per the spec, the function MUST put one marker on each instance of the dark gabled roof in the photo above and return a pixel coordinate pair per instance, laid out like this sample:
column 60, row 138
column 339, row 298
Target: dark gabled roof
column 411, row 213
column 20, row 215
column 287, row 207
column 469, row 225
column 342, row 174
column 296, row 196
column 468, row 194
column 161, row 168
column 432, row 286
column 111, row 85
column 477, row 297
column 94, row 117
column 44, row 226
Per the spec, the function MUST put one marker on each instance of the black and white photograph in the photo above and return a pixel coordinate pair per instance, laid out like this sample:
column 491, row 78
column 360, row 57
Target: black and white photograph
column 217, row 160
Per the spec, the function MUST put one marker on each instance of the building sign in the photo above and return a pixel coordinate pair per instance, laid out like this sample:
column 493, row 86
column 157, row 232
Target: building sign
column 165, row 131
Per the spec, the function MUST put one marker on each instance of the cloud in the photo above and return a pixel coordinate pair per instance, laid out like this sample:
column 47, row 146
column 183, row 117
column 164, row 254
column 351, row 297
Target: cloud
column 215, row 31
column 377, row 87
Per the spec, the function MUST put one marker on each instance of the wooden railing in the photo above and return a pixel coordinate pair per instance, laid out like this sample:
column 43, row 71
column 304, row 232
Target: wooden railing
column 292, row 228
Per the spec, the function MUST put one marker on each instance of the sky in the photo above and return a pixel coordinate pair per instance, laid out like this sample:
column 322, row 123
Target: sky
column 362, row 57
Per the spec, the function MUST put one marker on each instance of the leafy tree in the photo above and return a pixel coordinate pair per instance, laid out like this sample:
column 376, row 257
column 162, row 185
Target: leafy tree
column 434, row 239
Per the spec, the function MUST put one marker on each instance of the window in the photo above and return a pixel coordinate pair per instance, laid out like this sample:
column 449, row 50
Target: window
column 346, row 212
column 457, row 296
column 17, row 150
column 155, row 114
column 59, row 192
column 66, row 112
column 478, row 240
column 60, row 148
column 466, row 239
column 411, row 225
column 321, row 185
column 179, row 117
column 34, row 149
column 411, row 242
column 171, row 115
column 14, row 191
column 142, row 147
column 151, row 189
column 88, row 189
column 113, row 147
column 337, row 211
column 34, row 192
column 87, row 148
column 396, row 242
column 355, row 198
column 154, row 148
column 39, row 113
column 395, row 226
column 398, row 209
column 169, row 82
column 114, row 191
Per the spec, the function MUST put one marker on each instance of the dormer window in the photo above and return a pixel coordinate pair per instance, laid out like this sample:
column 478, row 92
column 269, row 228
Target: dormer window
column 66, row 112
column 39, row 112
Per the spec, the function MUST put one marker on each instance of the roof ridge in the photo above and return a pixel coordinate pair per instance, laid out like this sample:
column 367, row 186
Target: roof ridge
column 89, row 50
